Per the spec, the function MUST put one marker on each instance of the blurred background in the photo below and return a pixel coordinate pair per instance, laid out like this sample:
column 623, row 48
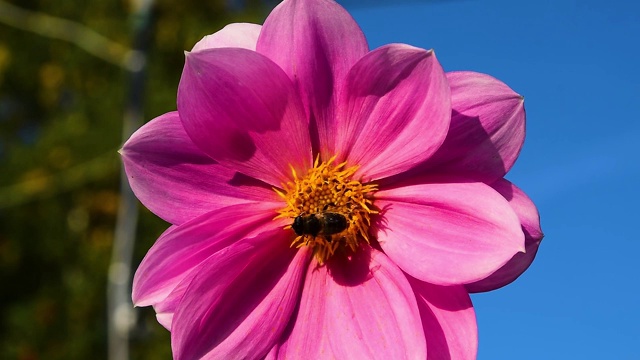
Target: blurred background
column 77, row 76
column 70, row 85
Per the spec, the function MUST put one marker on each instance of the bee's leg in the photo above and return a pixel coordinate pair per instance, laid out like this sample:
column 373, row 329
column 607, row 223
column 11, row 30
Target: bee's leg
column 328, row 238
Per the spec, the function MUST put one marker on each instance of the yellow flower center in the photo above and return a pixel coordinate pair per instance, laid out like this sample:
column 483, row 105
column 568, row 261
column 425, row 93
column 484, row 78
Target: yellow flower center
column 330, row 211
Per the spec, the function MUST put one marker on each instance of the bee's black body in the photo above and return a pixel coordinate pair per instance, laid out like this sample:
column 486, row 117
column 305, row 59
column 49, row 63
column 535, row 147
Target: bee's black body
column 324, row 223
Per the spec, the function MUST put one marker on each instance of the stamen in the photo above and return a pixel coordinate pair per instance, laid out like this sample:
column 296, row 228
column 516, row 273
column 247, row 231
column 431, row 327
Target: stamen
column 328, row 198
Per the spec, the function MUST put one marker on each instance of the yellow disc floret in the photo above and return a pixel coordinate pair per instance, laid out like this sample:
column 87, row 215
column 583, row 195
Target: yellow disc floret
column 329, row 189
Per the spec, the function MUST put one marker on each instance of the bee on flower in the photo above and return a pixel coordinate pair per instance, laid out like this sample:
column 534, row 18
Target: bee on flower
column 328, row 200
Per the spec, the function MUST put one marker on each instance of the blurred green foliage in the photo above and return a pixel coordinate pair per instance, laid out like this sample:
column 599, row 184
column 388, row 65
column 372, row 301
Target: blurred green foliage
column 61, row 115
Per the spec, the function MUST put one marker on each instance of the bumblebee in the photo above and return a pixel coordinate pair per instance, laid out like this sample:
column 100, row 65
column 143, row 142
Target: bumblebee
column 323, row 223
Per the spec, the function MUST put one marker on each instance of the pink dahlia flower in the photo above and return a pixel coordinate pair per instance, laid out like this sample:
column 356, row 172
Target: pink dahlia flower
column 327, row 200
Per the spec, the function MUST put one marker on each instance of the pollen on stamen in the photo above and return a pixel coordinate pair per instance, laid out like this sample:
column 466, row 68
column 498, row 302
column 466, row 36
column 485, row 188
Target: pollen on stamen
column 328, row 195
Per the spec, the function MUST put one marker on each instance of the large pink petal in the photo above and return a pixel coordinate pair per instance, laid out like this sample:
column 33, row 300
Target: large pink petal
column 242, row 35
column 316, row 42
column 530, row 221
column 446, row 232
column 448, row 320
column 177, row 181
column 182, row 248
column 242, row 300
column 241, row 109
column 363, row 308
column 394, row 111
column 487, row 128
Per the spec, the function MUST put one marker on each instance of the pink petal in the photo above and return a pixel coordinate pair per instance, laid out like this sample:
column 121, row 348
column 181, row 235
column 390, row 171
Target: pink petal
column 273, row 353
column 363, row 308
column 448, row 320
column 316, row 42
column 242, row 300
column 524, row 208
column 177, row 181
column 165, row 319
column 530, row 221
column 446, row 232
column 182, row 248
column 242, row 35
column 487, row 128
column 306, row 335
column 241, row 109
column 394, row 111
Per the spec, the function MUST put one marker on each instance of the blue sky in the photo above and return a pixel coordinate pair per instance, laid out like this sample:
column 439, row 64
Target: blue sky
column 577, row 64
